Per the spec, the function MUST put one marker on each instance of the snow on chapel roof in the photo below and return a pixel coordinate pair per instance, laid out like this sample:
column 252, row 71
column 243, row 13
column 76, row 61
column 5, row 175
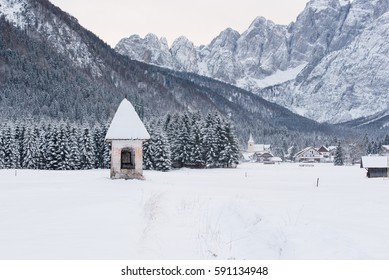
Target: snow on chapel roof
column 126, row 124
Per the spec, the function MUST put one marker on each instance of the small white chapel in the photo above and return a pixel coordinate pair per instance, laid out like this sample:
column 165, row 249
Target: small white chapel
column 126, row 135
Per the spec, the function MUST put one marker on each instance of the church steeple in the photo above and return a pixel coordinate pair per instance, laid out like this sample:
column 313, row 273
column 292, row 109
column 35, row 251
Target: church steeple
column 250, row 144
column 251, row 140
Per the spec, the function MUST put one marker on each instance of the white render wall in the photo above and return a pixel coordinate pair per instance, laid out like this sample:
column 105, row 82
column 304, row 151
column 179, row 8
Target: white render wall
column 116, row 171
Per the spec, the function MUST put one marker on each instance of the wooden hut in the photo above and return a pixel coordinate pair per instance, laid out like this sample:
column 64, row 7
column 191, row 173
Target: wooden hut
column 376, row 166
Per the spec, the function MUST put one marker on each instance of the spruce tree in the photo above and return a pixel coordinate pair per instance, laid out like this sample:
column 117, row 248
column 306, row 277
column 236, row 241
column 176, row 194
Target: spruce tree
column 87, row 153
column 232, row 156
column 196, row 158
column 64, row 149
column 42, row 149
column 180, row 149
column 53, row 150
column 107, row 155
column 293, row 152
column 31, row 151
column 161, row 151
column 10, row 149
column 211, row 145
column 98, row 146
column 386, row 140
column 73, row 156
column 2, row 150
column 148, row 151
column 19, row 142
column 339, row 157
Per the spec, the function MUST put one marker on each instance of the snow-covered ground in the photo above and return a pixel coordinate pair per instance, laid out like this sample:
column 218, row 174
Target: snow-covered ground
column 252, row 212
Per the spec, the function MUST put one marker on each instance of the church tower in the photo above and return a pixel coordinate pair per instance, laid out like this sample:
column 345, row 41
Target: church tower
column 250, row 144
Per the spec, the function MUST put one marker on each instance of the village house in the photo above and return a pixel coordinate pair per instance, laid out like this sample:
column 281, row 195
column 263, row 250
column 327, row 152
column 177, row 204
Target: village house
column 328, row 153
column 259, row 153
column 309, row 154
column 126, row 135
column 324, row 151
column 376, row 166
column 385, row 150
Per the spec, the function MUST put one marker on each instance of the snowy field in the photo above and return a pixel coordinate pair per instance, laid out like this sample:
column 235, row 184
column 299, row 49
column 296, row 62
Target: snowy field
column 252, row 212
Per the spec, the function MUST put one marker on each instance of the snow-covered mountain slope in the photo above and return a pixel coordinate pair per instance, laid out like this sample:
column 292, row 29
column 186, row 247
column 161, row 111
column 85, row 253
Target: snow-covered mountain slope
column 328, row 65
column 52, row 68
column 55, row 26
column 347, row 84
column 231, row 57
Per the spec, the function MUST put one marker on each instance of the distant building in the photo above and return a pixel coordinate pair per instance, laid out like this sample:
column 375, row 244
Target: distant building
column 265, row 157
column 385, row 150
column 332, row 150
column 126, row 134
column 324, row 151
column 309, row 154
column 257, row 148
column 258, row 152
column 376, row 166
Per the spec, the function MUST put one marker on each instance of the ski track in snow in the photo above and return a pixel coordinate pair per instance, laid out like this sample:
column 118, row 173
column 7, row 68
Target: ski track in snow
column 276, row 212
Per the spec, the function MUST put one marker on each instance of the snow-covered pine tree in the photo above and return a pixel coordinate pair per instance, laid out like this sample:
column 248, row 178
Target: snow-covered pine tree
column 293, row 152
column 54, row 157
column 224, row 149
column 161, row 151
column 231, row 152
column 369, row 149
column 339, row 157
column 106, row 149
column 184, row 140
column 148, row 150
column 386, row 140
column 211, row 145
column 10, row 149
column 87, row 153
column 64, row 149
column 19, row 142
column 98, row 148
column 196, row 158
column 73, row 156
column 179, row 140
column 42, row 148
column 2, row 146
column 31, row 148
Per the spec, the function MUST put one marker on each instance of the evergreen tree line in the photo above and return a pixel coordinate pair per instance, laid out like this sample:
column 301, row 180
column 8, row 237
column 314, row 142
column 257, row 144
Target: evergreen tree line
column 180, row 140
column 190, row 140
column 53, row 147
column 371, row 147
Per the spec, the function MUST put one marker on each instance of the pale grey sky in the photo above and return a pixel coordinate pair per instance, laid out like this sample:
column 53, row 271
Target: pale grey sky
column 200, row 20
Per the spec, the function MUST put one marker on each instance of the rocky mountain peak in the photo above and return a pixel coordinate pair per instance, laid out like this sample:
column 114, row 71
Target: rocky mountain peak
column 321, row 5
column 298, row 56
column 258, row 22
column 185, row 54
column 225, row 40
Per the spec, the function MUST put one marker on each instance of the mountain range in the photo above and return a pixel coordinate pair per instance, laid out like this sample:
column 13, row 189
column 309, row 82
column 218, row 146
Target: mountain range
column 51, row 68
column 330, row 65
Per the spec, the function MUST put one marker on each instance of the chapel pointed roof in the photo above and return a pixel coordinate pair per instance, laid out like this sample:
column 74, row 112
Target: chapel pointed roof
column 126, row 124
column 251, row 138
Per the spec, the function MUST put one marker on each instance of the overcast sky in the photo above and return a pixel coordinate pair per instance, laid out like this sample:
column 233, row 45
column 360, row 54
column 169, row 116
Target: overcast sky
column 200, row 20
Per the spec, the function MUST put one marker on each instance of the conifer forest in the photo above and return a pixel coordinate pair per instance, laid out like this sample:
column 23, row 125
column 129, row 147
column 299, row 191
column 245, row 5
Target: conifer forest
column 179, row 140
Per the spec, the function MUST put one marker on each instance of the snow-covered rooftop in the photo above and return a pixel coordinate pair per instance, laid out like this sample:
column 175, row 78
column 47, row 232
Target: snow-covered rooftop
column 386, row 147
column 261, row 148
column 126, row 124
column 375, row 162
